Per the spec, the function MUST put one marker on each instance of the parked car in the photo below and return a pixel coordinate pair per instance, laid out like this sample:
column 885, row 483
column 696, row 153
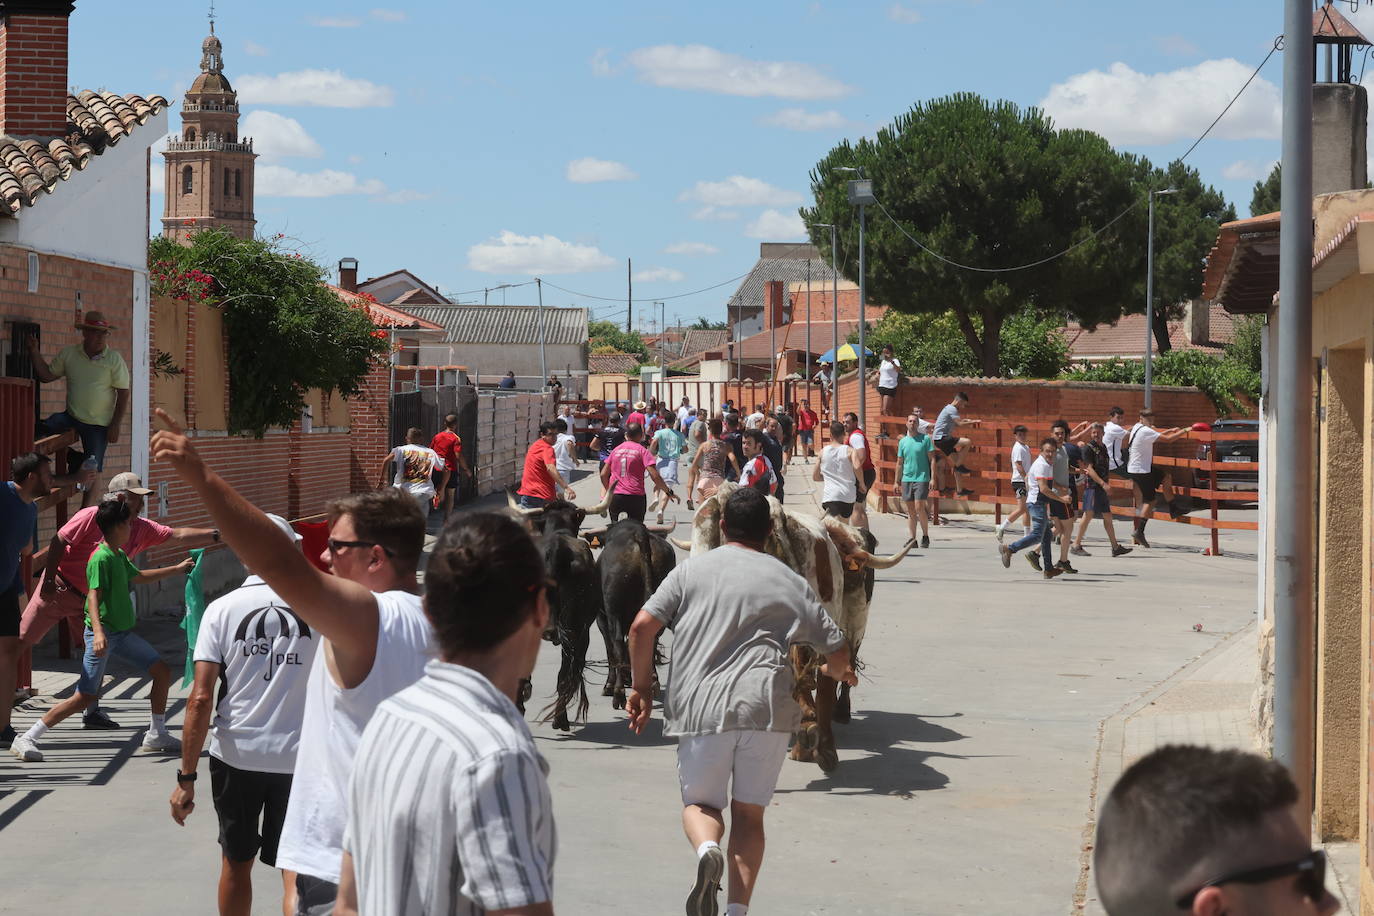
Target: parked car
column 1230, row 451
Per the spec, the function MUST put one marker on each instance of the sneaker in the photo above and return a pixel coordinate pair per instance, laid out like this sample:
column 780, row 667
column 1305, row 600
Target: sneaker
column 1033, row 558
column 690, row 507
column 1005, row 551
column 26, row 749
column 1066, row 566
column 1079, row 552
column 1052, row 572
column 7, row 737
column 160, row 742
column 96, row 718
column 964, row 492
column 925, row 541
column 659, row 518
column 1178, row 508
column 1119, row 551
column 710, row 868
column 1001, row 532
column 962, row 470
column 1139, row 540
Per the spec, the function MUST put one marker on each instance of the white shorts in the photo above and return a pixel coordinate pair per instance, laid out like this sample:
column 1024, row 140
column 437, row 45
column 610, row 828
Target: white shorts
column 667, row 469
column 706, row 763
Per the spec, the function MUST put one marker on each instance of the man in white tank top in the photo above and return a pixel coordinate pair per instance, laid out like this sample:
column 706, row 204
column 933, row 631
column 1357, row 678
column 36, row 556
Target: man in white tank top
column 377, row 641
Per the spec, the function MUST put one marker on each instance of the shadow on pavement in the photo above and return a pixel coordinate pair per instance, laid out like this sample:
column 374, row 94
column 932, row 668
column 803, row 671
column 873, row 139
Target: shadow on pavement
column 607, row 735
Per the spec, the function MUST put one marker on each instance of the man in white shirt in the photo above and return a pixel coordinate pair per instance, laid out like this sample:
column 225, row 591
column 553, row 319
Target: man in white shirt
column 415, row 467
column 889, row 376
column 841, row 470
column 565, row 451
column 1020, row 467
column 755, row 419
column 1040, row 489
column 376, row 640
column 1112, row 434
column 825, row 377
column 1149, row 480
column 255, row 651
column 684, row 410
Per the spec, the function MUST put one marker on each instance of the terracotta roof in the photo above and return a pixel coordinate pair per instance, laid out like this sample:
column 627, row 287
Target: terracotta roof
column 793, row 337
column 417, row 297
column 612, row 363
column 384, row 316
column 1126, row 337
column 506, row 324
column 30, row 168
column 1332, row 27
column 1242, row 268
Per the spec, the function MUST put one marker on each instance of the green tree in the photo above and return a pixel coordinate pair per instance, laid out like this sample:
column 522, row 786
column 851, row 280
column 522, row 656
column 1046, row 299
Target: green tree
column 705, row 324
column 993, row 186
column 932, row 345
column 1266, row 196
column 287, row 331
column 607, row 337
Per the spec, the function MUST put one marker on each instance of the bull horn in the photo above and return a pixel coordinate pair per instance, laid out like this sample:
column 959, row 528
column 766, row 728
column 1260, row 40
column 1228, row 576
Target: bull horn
column 663, row 530
column 873, row 562
column 601, row 507
column 516, row 507
column 680, row 544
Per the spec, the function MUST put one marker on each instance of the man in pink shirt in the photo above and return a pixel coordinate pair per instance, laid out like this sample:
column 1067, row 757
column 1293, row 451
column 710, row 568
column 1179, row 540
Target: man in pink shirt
column 623, row 473
column 61, row 589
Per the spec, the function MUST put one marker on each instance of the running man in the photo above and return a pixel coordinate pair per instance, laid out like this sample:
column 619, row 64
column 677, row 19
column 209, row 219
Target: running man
column 1039, row 493
column 913, row 454
column 565, row 450
column 1020, row 466
column 776, row 450
column 734, row 612
column 623, row 476
column 952, row 446
column 1061, row 513
column 1097, row 499
column 415, row 467
column 667, row 446
column 448, row 445
column 858, row 441
column 842, row 473
column 541, row 481
column 757, row 472
column 807, row 422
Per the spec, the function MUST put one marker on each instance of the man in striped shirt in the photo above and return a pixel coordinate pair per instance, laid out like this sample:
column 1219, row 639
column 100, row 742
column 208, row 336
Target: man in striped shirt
column 449, row 805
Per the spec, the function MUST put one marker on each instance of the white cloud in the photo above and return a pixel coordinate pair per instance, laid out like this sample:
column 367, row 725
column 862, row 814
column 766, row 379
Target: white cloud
column 590, row 169
column 386, row 15
column 601, row 62
column 659, row 275
column 323, row 88
column 354, row 158
column 253, row 49
column 1247, row 170
column 280, row 181
column 903, row 14
column 335, row 22
column 709, row 70
column 739, row 191
column 801, row 119
column 709, row 212
column 157, row 166
column 1177, row 46
column 1128, row 107
column 691, row 248
column 773, row 225
column 509, row 253
column 279, row 137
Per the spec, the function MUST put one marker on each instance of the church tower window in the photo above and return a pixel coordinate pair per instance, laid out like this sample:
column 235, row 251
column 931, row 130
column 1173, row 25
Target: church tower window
column 187, row 180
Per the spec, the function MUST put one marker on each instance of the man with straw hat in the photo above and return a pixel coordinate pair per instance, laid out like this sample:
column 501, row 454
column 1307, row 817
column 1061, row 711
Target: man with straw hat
column 97, row 387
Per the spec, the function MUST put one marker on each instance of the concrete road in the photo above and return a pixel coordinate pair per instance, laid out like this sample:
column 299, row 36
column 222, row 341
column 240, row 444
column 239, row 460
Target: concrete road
column 964, row 786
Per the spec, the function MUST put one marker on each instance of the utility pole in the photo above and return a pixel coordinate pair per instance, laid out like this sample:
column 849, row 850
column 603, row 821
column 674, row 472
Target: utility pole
column 807, row 376
column 629, row 297
column 543, row 361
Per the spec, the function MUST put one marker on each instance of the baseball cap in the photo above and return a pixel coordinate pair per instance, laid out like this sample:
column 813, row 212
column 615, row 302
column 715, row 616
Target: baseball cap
column 286, row 528
column 127, row 481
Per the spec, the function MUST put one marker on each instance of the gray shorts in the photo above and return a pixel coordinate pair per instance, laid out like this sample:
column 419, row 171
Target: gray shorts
column 915, row 492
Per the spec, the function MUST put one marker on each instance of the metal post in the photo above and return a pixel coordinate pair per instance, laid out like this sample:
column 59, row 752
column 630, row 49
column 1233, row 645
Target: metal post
column 863, row 336
column 1150, row 306
column 1294, row 647
column 543, row 361
column 834, row 321
column 807, row 374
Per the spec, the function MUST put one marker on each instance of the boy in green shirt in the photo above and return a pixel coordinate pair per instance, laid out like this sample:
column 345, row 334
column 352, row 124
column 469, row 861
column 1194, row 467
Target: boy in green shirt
column 110, row 631
column 913, row 452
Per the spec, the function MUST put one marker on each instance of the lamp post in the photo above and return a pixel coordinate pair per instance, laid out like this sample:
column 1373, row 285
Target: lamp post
column 662, row 330
column 861, row 195
column 1150, row 299
column 543, row 361
column 834, row 314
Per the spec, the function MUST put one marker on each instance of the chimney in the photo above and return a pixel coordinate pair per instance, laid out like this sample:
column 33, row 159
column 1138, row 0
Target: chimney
column 773, row 305
column 348, row 274
column 1199, row 317
column 33, row 67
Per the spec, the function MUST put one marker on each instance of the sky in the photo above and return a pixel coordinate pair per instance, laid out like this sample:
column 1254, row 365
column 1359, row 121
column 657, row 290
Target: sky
column 478, row 144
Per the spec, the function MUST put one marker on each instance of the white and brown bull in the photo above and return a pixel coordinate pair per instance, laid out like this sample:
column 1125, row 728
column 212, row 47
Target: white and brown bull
column 837, row 561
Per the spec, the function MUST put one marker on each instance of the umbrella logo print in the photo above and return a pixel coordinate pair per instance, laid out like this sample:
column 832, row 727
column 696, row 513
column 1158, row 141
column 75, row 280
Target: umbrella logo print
column 258, row 621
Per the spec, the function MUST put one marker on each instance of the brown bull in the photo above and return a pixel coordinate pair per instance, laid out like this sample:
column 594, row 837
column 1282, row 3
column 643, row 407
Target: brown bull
column 837, row 560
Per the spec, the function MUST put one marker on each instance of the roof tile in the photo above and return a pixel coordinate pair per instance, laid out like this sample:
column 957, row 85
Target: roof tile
column 506, row 324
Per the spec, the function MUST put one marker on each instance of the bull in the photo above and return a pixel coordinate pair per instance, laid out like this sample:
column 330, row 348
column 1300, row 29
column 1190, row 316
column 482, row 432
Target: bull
column 633, row 563
column 838, row 562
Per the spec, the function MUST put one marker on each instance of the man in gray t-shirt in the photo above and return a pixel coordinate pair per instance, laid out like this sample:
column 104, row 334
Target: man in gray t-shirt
column 950, row 444
column 734, row 613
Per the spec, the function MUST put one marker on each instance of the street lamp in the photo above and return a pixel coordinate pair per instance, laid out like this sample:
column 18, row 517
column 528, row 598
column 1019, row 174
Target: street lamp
column 834, row 315
column 1150, row 298
column 861, row 195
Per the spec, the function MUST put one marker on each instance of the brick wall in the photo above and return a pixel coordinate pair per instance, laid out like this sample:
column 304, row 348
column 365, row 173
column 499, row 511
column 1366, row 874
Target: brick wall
column 33, row 75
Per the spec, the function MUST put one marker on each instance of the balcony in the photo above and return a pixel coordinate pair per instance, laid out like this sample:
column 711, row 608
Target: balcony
column 209, row 146
column 193, row 106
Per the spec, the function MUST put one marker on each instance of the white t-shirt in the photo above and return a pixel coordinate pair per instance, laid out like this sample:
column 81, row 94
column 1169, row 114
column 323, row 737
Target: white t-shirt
column 266, row 651
column 754, row 421
column 682, row 413
column 563, row 454
column 924, row 427
column 312, row 837
column 1142, row 449
column 414, row 466
column 837, row 472
column 1112, row 434
column 1022, row 453
column 1039, row 470
column 888, row 372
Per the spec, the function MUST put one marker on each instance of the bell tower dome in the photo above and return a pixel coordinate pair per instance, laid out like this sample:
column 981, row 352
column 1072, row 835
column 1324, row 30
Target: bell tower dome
column 209, row 167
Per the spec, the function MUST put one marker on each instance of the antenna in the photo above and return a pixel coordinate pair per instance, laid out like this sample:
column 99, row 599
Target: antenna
column 212, row 17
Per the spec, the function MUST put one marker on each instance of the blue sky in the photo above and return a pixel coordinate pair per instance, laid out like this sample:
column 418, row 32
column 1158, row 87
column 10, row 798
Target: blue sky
column 481, row 144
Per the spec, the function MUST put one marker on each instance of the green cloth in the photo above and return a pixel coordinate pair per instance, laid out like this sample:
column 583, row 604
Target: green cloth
column 195, row 609
column 91, row 383
column 914, row 453
column 110, row 571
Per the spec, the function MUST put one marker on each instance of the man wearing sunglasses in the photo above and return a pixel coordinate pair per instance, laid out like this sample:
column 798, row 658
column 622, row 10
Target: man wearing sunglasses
column 1207, row 832
column 376, row 641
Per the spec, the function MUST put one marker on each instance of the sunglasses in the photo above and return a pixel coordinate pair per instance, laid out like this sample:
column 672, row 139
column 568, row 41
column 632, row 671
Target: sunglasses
column 1310, row 871
column 335, row 545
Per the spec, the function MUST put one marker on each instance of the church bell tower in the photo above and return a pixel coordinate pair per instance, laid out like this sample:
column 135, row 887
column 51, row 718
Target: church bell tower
column 209, row 167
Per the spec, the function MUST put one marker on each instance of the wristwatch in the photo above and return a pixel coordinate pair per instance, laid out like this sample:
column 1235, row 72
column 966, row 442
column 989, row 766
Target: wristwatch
column 183, row 778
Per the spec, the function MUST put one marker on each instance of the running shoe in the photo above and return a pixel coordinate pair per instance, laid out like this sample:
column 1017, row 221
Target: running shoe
column 690, row 507
column 96, row 718
column 160, row 742
column 961, row 469
column 1005, row 551
column 26, row 749
column 1066, row 566
column 964, row 492
column 1119, row 551
column 1079, row 552
column 1139, row 540
column 1001, row 533
column 710, row 869
column 1033, row 558
column 925, row 541
column 1052, row 572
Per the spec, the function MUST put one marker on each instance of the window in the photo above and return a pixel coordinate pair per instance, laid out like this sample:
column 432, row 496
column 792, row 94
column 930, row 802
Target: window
column 230, row 138
column 187, row 180
column 226, row 182
column 238, row 182
column 190, row 135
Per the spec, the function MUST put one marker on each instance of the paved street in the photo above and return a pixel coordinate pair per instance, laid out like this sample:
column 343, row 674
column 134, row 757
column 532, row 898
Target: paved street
column 965, row 783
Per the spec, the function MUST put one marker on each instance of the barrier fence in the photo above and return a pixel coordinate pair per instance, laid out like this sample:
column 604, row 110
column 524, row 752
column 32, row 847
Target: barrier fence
column 989, row 458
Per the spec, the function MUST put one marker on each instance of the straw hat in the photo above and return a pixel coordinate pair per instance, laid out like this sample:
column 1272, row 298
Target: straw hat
column 94, row 321
column 640, row 405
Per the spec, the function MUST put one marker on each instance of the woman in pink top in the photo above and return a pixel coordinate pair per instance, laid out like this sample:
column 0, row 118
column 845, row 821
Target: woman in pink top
column 623, row 473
